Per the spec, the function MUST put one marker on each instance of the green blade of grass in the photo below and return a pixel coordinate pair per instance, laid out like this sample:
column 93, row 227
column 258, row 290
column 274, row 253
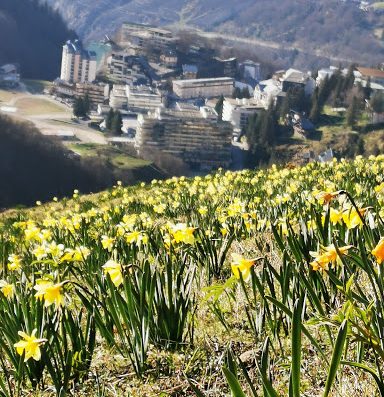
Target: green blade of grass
column 336, row 356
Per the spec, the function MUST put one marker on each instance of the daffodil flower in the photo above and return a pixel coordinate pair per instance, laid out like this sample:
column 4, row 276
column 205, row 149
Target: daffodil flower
column 30, row 345
column 329, row 256
column 51, row 293
column 114, row 270
column 7, row 289
column 378, row 251
column 242, row 266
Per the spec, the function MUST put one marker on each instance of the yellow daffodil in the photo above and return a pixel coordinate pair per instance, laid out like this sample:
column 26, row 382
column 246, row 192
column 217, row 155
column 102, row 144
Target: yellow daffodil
column 352, row 218
column 378, row 251
column 14, row 262
column 7, row 289
column 114, row 270
column 326, row 197
column 136, row 237
column 75, row 255
column 328, row 256
column 51, row 293
column 242, row 266
column 107, row 243
column 30, row 345
column 181, row 233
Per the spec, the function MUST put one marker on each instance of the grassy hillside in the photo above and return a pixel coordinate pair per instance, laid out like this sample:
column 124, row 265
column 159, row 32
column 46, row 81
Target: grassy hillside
column 234, row 281
column 327, row 28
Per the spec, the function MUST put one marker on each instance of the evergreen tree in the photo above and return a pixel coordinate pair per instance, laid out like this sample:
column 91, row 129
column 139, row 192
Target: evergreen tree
column 268, row 126
column 219, row 107
column 315, row 108
column 108, row 119
column 86, row 105
column 324, row 91
column 349, row 79
column 117, row 123
column 368, row 89
column 352, row 112
column 377, row 102
column 78, row 107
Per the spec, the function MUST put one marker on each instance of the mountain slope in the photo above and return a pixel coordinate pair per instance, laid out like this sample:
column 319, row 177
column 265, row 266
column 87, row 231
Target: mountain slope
column 32, row 35
column 330, row 27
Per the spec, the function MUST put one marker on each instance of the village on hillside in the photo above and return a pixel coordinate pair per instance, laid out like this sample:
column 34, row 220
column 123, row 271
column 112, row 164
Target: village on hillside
column 170, row 98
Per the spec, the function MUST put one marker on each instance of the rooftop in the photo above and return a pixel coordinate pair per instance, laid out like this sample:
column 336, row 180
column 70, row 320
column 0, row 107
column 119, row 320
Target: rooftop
column 295, row 76
column 369, row 72
column 209, row 80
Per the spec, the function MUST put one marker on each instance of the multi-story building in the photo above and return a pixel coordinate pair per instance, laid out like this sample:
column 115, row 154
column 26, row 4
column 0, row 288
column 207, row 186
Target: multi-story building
column 77, row 64
column 141, row 36
column 118, row 97
column 296, row 79
column 237, row 111
column 250, row 70
column 268, row 91
column 97, row 93
column 169, row 58
column 195, row 136
column 126, row 68
column 224, row 67
column 143, row 98
column 206, row 88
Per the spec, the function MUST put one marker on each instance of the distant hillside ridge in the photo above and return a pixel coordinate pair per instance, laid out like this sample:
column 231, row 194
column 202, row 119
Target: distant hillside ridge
column 326, row 28
column 32, row 34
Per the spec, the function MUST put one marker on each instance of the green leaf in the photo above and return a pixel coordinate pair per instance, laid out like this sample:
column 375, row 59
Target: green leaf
column 233, row 383
column 336, row 356
column 296, row 346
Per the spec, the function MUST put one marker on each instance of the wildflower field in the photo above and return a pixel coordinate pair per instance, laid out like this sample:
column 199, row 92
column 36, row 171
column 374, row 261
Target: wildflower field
column 254, row 283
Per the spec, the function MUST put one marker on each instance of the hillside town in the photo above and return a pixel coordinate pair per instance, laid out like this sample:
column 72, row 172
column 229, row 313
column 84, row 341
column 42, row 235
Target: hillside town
column 162, row 96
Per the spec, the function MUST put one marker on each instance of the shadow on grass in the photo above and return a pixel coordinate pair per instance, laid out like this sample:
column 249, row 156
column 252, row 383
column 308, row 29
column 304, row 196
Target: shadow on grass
column 315, row 135
column 329, row 120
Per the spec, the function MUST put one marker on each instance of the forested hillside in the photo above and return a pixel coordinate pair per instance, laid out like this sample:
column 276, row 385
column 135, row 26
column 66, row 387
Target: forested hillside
column 325, row 28
column 33, row 167
column 32, row 34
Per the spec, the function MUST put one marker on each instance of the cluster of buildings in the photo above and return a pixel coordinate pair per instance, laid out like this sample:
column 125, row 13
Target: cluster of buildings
column 146, row 76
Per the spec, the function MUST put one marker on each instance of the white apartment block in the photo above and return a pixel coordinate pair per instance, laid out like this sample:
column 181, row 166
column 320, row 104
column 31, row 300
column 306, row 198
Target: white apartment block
column 77, row 64
column 205, row 88
column 193, row 135
column 118, row 97
column 237, row 111
column 143, row 98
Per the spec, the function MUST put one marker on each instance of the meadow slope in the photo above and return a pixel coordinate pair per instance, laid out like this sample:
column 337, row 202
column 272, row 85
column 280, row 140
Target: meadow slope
column 266, row 282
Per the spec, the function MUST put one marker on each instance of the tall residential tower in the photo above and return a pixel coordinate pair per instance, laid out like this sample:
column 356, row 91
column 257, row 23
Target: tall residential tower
column 77, row 64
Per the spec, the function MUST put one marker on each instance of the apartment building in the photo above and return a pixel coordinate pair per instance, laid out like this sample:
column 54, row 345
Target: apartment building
column 97, row 93
column 77, row 64
column 141, row 35
column 143, row 98
column 118, row 97
column 206, row 88
column 237, row 111
column 126, row 68
column 193, row 135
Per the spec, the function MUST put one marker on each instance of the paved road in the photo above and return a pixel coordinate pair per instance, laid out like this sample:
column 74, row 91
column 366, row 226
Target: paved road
column 267, row 44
